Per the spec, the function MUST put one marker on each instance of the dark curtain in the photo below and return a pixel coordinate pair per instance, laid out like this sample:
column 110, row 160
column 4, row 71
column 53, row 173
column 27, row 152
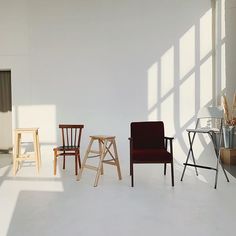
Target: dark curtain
column 5, row 91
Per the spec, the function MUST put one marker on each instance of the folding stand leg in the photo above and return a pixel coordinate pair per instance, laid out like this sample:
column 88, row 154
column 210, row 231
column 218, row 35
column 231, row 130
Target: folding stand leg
column 224, row 170
column 217, row 153
column 190, row 151
column 185, row 166
column 220, row 163
column 217, row 170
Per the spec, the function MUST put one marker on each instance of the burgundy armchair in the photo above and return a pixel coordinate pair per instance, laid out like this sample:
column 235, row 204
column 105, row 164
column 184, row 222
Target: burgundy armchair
column 149, row 145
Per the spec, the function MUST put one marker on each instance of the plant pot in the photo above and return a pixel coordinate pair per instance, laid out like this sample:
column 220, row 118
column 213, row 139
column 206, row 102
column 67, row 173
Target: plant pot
column 228, row 133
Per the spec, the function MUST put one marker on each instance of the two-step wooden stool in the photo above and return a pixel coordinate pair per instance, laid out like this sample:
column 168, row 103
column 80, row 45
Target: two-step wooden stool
column 105, row 144
column 18, row 156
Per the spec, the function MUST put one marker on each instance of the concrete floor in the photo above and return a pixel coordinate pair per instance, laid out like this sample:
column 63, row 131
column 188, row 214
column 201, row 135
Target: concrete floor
column 32, row 204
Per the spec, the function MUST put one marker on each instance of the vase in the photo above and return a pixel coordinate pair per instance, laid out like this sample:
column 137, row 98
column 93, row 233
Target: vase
column 228, row 133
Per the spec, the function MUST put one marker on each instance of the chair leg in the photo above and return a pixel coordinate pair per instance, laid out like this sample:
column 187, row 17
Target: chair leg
column 64, row 162
column 164, row 168
column 99, row 172
column 16, row 153
column 132, row 174
column 118, row 169
column 55, row 163
column 117, row 163
column 102, row 169
column 14, row 166
column 100, row 144
column 76, row 165
column 79, row 160
column 130, row 168
column 172, row 173
column 85, row 159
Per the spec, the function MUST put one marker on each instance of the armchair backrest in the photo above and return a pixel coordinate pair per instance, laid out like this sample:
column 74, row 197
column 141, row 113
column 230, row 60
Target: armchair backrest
column 147, row 135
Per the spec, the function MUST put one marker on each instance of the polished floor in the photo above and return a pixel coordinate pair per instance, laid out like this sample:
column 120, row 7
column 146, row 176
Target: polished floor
column 32, row 204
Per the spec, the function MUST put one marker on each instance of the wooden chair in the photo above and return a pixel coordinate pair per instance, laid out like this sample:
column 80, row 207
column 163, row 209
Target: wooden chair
column 71, row 136
column 149, row 145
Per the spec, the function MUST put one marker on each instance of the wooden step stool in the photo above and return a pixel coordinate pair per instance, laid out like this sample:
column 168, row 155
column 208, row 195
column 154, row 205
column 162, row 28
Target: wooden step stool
column 18, row 157
column 105, row 144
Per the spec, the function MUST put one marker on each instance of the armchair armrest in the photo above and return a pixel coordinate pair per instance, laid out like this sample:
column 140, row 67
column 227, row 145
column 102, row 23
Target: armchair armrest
column 170, row 139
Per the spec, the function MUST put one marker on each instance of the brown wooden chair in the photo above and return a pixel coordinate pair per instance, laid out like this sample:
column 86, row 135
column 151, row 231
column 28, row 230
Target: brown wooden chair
column 71, row 136
column 149, row 145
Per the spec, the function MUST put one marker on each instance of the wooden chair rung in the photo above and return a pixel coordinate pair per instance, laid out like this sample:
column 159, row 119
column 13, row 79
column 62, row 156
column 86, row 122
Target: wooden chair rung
column 109, row 162
column 94, row 152
column 90, row 167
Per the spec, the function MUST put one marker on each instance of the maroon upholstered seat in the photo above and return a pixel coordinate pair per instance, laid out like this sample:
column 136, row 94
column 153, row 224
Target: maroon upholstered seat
column 152, row 155
column 148, row 144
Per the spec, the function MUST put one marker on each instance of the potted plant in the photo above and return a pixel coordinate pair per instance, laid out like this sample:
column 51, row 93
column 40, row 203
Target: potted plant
column 229, row 121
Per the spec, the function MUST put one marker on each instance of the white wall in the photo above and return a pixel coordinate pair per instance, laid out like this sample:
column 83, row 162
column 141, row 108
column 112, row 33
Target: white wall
column 106, row 63
column 6, row 130
column 230, row 48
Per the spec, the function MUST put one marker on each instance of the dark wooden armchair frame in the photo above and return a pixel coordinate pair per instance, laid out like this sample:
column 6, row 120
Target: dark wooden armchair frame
column 71, row 137
column 168, row 142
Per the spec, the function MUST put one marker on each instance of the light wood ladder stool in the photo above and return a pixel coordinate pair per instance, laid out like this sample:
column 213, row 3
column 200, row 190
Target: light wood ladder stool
column 106, row 144
column 18, row 156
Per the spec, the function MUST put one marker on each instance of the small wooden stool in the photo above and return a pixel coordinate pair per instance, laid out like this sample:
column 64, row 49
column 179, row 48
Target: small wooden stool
column 105, row 144
column 18, row 157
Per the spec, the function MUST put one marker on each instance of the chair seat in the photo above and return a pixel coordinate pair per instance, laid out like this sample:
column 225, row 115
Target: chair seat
column 203, row 130
column 66, row 148
column 151, row 156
